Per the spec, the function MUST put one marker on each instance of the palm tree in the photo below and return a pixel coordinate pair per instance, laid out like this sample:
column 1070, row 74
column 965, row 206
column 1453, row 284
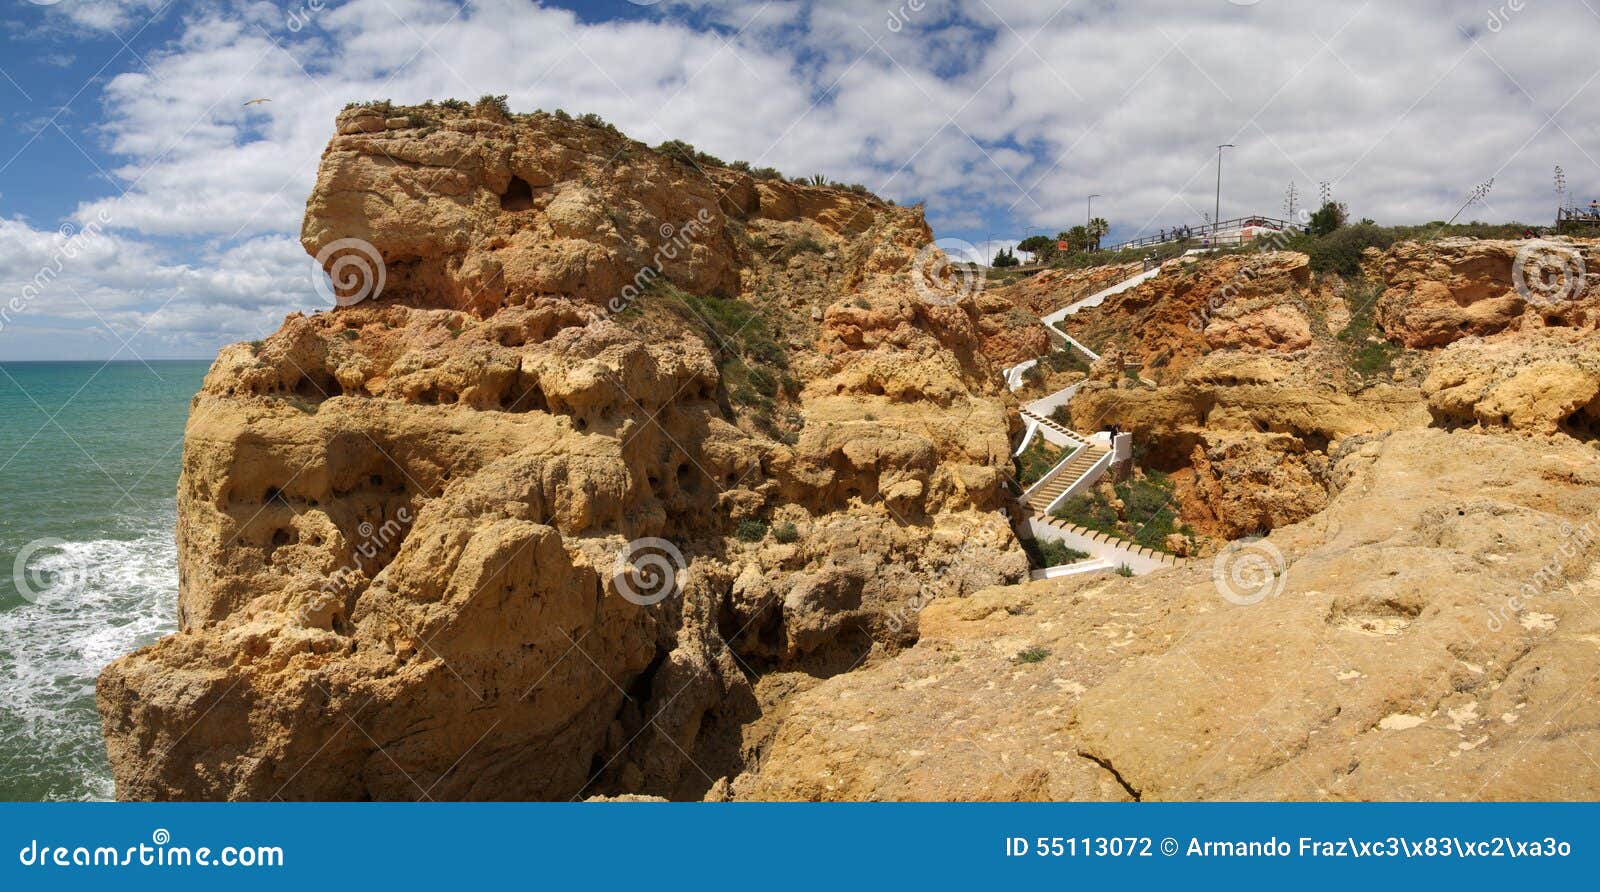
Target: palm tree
column 1098, row 229
column 1077, row 238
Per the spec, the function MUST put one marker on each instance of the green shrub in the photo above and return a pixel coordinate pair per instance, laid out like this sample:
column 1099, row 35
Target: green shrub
column 739, row 335
column 758, row 347
column 1365, row 350
column 785, row 533
column 804, row 244
column 767, row 173
column 751, row 530
column 1148, row 514
column 1339, row 252
column 1091, row 511
column 1328, row 218
column 764, row 382
column 1065, row 360
column 1034, row 654
column 1036, row 461
column 1149, row 510
column 1052, row 553
column 1124, row 570
column 1375, row 359
column 495, row 104
column 678, row 150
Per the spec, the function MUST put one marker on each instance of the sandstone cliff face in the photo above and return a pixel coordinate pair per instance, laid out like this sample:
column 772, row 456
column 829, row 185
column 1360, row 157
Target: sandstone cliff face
column 1545, row 381
column 406, row 525
column 1255, row 303
column 1418, row 625
column 1248, row 433
column 1051, row 289
column 632, row 459
column 1429, row 636
column 1441, row 291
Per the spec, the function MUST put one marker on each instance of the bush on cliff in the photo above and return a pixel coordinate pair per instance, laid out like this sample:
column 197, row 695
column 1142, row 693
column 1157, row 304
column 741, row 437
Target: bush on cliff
column 1339, row 252
column 1366, row 351
column 751, row 530
column 1036, row 461
column 1044, row 553
column 1147, row 516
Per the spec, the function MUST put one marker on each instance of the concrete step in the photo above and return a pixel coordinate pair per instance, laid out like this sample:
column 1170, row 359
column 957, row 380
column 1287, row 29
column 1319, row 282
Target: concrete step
column 1116, row 542
column 1076, row 467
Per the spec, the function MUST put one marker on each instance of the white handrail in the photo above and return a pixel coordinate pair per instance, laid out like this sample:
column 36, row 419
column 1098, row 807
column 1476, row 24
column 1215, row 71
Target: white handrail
column 1051, row 474
column 1085, row 480
column 1037, row 421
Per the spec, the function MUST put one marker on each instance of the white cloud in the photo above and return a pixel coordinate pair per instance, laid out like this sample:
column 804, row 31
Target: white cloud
column 1002, row 114
column 110, row 288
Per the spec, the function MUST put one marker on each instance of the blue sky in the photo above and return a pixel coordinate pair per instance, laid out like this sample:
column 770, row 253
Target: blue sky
column 163, row 214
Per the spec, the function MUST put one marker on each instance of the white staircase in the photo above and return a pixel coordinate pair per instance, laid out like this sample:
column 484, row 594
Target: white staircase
column 1081, row 468
column 1096, row 299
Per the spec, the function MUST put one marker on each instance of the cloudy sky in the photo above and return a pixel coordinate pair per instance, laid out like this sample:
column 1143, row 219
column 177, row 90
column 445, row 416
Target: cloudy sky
column 166, row 211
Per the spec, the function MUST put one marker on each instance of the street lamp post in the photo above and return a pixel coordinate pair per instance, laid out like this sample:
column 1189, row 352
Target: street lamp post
column 1216, row 209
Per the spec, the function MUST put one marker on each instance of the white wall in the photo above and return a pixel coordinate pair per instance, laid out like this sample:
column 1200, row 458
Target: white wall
column 1107, row 550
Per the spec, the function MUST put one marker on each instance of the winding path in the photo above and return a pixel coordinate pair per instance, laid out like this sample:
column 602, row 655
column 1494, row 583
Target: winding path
column 1088, row 459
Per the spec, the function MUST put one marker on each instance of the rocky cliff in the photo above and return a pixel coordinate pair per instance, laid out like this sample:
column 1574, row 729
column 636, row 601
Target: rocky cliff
column 624, row 471
column 1235, row 374
column 1430, row 636
column 1251, row 369
column 1419, row 625
column 598, row 438
column 1441, row 291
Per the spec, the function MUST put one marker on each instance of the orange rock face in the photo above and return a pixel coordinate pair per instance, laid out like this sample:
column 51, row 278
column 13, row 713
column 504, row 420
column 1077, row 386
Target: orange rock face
column 618, row 435
column 1439, row 292
column 1260, row 302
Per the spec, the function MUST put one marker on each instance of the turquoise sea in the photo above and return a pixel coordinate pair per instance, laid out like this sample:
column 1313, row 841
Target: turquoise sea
column 89, row 457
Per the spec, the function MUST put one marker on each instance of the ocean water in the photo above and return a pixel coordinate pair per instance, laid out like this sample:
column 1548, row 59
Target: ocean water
column 89, row 458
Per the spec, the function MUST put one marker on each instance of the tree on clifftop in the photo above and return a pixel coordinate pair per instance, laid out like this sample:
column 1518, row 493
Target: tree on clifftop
column 1329, row 217
column 1042, row 247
